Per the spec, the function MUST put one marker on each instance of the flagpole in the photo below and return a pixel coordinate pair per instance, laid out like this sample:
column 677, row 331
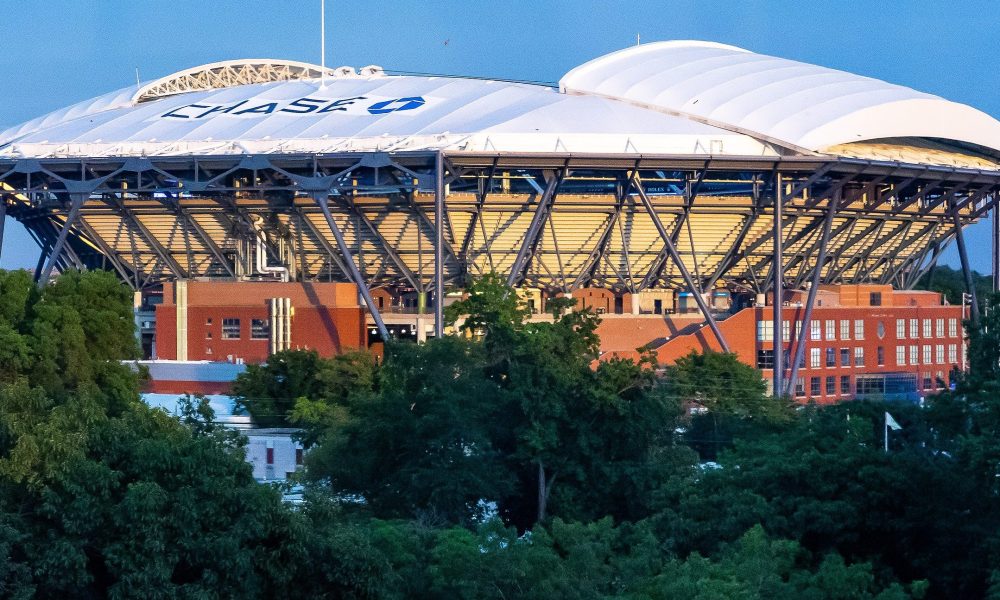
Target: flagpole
column 885, row 427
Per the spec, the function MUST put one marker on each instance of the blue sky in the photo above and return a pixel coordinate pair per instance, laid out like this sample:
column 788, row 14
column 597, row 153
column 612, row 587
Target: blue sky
column 58, row 52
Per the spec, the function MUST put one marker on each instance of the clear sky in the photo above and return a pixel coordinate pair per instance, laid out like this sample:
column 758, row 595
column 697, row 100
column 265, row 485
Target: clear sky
column 57, row 52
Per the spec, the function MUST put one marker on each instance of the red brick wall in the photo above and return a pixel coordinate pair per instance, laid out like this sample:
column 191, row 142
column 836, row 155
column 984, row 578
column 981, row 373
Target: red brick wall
column 326, row 318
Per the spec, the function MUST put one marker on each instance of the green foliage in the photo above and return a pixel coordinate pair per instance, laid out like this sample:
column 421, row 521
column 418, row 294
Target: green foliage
column 423, row 447
column 505, row 464
column 732, row 397
column 269, row 392
column 951, row 283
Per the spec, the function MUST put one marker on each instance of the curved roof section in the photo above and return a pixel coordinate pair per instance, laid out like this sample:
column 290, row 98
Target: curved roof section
column 681, row 97
column 362, row 113
column 798, row 105
column 227, row 74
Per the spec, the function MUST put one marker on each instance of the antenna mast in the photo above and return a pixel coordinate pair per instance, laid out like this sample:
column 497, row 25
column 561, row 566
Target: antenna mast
column 322, row 39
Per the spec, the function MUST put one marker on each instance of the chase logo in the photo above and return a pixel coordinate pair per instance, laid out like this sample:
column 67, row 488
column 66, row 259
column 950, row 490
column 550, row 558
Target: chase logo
column 300, row 106
column 388, row 106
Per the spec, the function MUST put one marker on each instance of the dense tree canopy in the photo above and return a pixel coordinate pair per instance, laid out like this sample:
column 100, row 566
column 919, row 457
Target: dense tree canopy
column 507, row 462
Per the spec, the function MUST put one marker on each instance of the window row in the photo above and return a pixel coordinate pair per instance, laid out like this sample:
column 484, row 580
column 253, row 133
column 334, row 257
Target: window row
column 917, row 353
column 765, row 330
column 260, row 329
column 922, row 328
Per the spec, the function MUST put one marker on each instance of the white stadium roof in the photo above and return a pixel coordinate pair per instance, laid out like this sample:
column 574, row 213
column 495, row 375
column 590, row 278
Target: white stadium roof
column 677, row 97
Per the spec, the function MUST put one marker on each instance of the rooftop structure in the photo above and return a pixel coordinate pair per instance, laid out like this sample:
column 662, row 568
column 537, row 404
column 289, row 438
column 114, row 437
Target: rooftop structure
column 684, row 165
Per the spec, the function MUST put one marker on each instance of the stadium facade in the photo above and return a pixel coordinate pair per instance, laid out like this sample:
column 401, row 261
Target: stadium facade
column 670, row 177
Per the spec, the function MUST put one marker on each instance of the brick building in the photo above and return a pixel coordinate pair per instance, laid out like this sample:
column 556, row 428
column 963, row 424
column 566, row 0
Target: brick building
column 248, row 321
column 862, row 341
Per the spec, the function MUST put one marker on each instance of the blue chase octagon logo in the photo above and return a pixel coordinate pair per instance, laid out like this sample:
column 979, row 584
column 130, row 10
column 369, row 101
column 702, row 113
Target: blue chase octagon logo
column 388, row 106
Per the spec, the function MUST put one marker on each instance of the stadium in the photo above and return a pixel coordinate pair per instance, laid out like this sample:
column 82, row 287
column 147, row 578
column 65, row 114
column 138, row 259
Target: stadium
column 700, row 194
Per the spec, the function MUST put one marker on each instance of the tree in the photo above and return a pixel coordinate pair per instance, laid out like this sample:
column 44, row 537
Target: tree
column 824, row 480
column 424, row 446
column 729, row 393
column 270, row 391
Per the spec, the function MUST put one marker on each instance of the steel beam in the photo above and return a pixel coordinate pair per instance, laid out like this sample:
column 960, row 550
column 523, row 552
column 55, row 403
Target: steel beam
column 672, row 251
column 3, row 220
column 777, row 287
column 995, row 255
column 389, row 250
column 76, row 203
column 963, row 255
column 439, row 245
column 805, row 332
column 532, row 235
column 206, row 240
column 353, row 272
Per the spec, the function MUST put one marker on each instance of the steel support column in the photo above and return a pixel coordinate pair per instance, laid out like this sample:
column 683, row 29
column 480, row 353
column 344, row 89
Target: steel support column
column 804, row 333
column 76, row 203
column 439, row 245
column 970, row 285
column 672, row 251
column 3, row 219
column 995, row 255
column 778, row 275
column 353, row 272
column 532, row 235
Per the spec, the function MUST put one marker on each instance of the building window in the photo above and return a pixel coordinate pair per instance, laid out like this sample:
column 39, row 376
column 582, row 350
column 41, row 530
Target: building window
column 952, row 353
column 939, row 380
column 939, row 328
column 765, row 331
column 299, row 456
column 952, row 327
column 845, row 357
column 927, row 328
column 927, row 380
column 831, row 385
column 831, row 357
column 814, row 332
column 880, row 355
column 859, row 357
column 875, row 299
column 230, row 329
column 208, row 335
column 881, row 330
column 814, row 358
column 208, row 321
column 260, row 329
column 800, row 387
column 900, row 355
column 859, row 329
column 900, row 329
column 845, row 329
column 914, row 355
column 765, row 359
column 785, row 331
column 831, row 330
column 914, row 328
column 845, row 384
column 927, row 354
column 939, row 353
column 270, row 456
column 814, row 389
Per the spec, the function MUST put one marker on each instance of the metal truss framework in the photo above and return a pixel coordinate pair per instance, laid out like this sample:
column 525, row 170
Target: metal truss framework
column 228, row 74
column 425, row 222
